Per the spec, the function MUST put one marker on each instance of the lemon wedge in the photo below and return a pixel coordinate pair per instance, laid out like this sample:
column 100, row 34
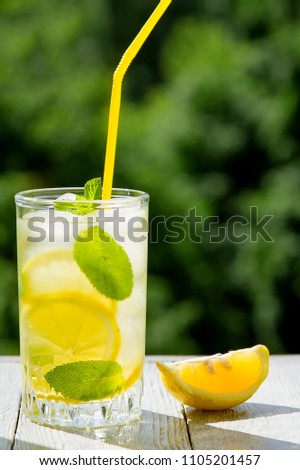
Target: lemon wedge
column 217, row 382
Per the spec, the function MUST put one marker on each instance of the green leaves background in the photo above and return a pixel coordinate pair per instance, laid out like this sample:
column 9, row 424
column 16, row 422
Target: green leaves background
column 210, row 119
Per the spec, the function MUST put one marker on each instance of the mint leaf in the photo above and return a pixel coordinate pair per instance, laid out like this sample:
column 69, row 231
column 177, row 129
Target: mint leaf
column 104, row 262
column 92, row 192
column 93, row 189
column 86, row 380
column 75, row 207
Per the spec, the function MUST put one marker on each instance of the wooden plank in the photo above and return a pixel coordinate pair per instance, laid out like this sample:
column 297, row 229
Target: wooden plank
column 10, row 396
column 9, row 359
column 167, row 358
column 269, row 420
column 162, row 426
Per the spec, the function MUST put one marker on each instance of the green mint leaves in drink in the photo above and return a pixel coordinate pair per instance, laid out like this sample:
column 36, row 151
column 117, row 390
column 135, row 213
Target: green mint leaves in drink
column 104, row 262
column 93, row 189
column 92, row 192
column 86, row 380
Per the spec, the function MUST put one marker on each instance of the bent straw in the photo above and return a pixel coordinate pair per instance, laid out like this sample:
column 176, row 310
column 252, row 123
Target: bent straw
column 115, row 102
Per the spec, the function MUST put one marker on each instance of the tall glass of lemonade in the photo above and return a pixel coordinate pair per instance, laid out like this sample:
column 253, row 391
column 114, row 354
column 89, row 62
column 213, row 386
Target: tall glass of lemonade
column 82, row 266
column 82, row 263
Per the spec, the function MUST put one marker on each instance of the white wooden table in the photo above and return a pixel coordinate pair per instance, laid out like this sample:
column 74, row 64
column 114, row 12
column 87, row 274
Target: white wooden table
column 269, row 420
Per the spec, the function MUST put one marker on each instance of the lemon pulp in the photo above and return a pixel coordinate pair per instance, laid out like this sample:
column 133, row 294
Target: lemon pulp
column 223, row 375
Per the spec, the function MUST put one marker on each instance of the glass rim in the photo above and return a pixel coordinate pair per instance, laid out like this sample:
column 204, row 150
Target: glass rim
column 120, row 197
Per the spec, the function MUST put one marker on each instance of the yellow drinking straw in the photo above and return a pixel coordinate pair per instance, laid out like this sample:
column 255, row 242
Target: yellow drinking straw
column 115, row 102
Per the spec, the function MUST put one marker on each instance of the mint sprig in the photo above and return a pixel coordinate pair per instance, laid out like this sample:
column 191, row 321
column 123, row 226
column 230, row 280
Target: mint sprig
column 104, row 262
column 86, row 380
column 92, row 192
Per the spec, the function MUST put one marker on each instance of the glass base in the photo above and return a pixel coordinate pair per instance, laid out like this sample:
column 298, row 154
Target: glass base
column 117, row 411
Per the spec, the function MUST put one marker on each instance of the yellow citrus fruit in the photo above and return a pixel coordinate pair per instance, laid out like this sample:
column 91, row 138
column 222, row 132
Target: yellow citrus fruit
column 67, row 328
column 68, row 320
column 55, row 272
column 217, row 382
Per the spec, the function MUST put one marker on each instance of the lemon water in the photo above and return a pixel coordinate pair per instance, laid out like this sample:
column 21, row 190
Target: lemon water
column 68, row 325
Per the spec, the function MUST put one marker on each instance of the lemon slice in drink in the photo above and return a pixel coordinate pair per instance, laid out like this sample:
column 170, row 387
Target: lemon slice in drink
column 63, row 328
column 55, row 272
column 217, row 382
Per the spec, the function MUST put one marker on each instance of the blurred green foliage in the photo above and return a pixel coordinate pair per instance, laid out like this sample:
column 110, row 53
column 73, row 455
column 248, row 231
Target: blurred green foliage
column 210, row 119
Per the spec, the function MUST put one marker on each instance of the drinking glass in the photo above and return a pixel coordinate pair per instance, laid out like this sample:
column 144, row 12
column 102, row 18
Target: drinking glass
column 82, row 271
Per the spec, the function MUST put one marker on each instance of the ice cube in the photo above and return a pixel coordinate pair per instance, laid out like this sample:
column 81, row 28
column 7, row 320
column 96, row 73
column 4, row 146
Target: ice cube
column 67, row 197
